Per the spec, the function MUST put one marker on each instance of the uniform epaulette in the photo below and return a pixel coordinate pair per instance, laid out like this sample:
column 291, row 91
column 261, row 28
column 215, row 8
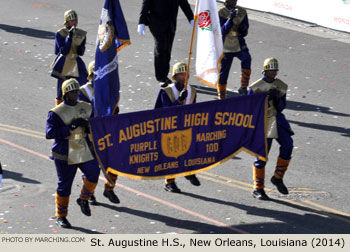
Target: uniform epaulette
column 57, row 107
column 80, row 31
column 254, row 83
column 282, row 85
column 241, row 11
column 66, row 112
column 164, row 88
column 63, row 32
column 224, row 12
column 169, row 91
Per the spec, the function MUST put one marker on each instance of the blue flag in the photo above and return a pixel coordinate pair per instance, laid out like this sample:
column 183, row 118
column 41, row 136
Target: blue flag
column 112, row 36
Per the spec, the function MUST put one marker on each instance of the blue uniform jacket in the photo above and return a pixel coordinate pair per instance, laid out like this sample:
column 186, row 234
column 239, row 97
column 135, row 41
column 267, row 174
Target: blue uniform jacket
column 57, row 130
column 62, row 48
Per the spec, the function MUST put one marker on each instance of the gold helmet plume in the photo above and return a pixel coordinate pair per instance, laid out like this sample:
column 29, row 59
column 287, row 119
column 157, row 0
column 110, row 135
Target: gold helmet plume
column 179, row 67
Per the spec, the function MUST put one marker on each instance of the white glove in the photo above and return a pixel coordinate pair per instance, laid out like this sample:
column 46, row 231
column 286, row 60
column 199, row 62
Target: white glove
column 141, row 29
column 192, row 21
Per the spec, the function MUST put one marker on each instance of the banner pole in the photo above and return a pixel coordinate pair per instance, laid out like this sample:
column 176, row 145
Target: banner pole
column 191, row 45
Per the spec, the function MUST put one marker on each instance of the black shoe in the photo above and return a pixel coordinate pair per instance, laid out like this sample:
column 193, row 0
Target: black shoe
column 63, row 222
column 111, row 196
column 168, row 80
column 193, row 179
column 279, row 184
column 260, row 194
column 84, row 206
column 93, row 201
column 172, row 187
column 243, row 91
column 165, row 83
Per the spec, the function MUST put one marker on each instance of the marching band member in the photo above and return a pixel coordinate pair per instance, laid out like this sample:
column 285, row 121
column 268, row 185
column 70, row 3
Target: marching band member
column 234, row 27
column 69, row 45
column 68, row 125
column 277, row 128
column 176, row 95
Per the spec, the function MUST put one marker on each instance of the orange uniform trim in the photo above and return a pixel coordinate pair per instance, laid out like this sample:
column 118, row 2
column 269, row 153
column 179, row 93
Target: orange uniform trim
column 58, row 102
column 245, row 77
column 281, row 168
column 221, row 91
column 113, row 177
column 87, row 190
column 61, row 206
column 169, row 181
column 259, row 178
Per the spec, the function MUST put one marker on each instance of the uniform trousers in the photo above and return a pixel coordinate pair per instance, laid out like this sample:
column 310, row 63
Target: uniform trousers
column 66, row 174
column 226, row 62
column 286, row 147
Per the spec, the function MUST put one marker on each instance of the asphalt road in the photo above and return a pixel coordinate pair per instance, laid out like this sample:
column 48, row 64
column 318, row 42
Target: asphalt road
column 314, row 61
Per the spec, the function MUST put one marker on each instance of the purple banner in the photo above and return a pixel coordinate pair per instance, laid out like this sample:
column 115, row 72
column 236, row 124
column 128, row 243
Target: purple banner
column 180, row 140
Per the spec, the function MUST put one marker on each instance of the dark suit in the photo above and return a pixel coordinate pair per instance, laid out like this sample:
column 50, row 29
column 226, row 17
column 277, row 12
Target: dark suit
column 161, row 17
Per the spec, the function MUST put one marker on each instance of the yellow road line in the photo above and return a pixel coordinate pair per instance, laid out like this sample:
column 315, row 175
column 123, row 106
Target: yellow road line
column 227, row 179
column 22, row 129
column 329, row 213
column 22, row 133
column 310, row 191
column 327, row 208
column 224, row 182
column 295, row 190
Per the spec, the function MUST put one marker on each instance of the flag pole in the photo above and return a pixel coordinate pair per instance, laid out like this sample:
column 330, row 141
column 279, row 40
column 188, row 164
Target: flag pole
column 191, row 45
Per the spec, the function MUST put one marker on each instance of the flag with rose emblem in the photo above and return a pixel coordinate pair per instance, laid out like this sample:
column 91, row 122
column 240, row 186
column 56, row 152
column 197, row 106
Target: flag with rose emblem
column 209, row 42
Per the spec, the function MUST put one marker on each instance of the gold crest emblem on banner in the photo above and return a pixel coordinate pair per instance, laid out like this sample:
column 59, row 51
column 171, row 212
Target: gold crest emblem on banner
column 105, row 33
column 176, row 143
